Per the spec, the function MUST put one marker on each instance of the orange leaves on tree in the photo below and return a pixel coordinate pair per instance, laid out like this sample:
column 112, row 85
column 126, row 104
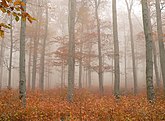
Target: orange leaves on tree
column 19, row 2
column 14, row 8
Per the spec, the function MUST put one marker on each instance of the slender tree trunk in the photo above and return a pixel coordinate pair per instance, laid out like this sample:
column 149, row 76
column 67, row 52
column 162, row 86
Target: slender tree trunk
column 80, row 61
column 129, row 9
column 1, row 62
column 35, row 47
column 155, row 57
column 48, row 79
column 22, row 82
column 100, row 73
column 35, row 55
column 156, row 65
column 11, row 54
column 71, row 57
column 43, row 51
column 125, row 67
column 112, row 73
column 116, row 51
column 86, row 77
column 149, row 62
column 89, row 66
column 29, row 63
column 160, row 39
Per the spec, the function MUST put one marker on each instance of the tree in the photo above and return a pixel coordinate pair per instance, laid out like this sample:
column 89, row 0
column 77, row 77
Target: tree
column 29, row 64
column 129, row 9
column 149, row 62
column 116, row 51
column 36, row 44
column 160, row 39
column 100, row 73
column 71, row 54
column 22, row 74
column 11, row 53
column 43, row 51
column 154, row 54
column 1, row 61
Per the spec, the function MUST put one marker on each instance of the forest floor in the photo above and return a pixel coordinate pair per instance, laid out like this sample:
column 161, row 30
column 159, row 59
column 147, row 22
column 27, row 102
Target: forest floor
column 52, row 105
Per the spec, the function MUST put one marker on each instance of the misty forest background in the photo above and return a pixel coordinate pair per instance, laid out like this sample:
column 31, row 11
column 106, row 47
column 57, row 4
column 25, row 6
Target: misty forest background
column 82, row 60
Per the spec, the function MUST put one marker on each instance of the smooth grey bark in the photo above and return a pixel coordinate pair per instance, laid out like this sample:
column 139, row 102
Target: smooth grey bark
column 155, row 56
column 116, row 51
column 89, row 66
column 125, row 63
column 129, row 9
column 42, row 64
column 156, row 65
column 86, row 74
column 1, row 62
column 160, row 39
column 35, row 55
column 80, row 70
column 80, row 61
column 100, row 72
column 11, row 53
column 22, row 74
column 149, row 61
column 71, row 54
column 29, row 64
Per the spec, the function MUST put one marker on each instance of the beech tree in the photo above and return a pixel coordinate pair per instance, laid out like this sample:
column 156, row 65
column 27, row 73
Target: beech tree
column 116, row 51
column 129, row 9
column 71, row 54
column 161, row 42
column 100, row 73
column 39, row 12
column 22, row 74
column 149, row 61
column 42, row 63
column 11, row 53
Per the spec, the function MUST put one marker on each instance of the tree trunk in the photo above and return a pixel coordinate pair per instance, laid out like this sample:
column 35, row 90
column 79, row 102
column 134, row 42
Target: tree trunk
column 11, row 54
column 160, row 39
column 125, row 63
column 149, row 62
column 80, row 61
column 43, row 51
column 22, row 82
column 112, row 73
column 35, row 55
column 1, row 62
column 29, row 63
column 35, row 48
column 71, row 54
column 116, row 51
column 129, row 9
column 100, row 73
column 89, row 66
column 156, row 65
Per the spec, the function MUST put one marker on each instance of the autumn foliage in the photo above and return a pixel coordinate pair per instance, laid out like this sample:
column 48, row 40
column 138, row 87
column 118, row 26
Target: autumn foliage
column 53, row 106
column 16, row 9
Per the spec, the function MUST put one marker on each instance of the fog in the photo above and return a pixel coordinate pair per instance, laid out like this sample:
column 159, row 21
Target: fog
column 55, row 63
